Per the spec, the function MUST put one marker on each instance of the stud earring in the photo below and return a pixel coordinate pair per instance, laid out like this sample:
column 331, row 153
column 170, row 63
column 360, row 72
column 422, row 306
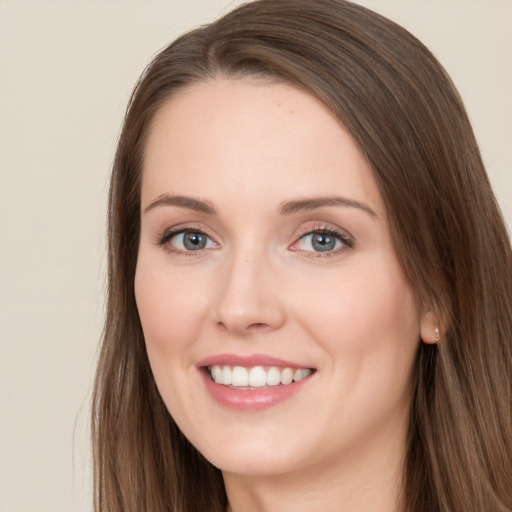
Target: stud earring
column 436, row 334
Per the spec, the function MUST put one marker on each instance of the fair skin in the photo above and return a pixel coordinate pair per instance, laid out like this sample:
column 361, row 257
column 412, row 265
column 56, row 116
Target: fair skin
column 243, row 266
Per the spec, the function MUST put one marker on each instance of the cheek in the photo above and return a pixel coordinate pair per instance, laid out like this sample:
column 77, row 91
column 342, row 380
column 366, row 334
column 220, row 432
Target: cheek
column 368, row 329
column 170, row 308
column 370, row 316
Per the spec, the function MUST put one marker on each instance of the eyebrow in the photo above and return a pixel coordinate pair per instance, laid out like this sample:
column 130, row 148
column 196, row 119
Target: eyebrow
column 317, row 202
column 287, row 208
column 183, row 202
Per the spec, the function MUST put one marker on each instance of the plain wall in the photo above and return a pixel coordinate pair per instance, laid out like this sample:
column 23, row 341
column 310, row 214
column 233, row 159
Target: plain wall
column 66, row 71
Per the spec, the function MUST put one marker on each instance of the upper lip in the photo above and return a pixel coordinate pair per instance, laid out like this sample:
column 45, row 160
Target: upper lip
column 248, row 361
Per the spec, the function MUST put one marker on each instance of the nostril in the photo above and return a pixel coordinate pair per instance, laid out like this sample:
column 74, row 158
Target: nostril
column 258, row 326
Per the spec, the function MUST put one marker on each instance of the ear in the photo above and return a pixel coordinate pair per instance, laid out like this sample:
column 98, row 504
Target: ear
column 429, row 331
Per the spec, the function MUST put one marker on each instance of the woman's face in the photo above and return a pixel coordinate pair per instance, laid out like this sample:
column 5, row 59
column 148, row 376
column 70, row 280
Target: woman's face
column 265, row 256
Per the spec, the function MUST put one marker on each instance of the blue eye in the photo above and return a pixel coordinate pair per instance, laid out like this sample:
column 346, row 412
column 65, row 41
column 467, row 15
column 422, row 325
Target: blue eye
column 323, row 241
column 188, row 241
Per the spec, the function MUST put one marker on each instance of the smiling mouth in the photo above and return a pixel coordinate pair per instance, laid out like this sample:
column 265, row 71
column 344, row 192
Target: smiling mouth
column 256, row 377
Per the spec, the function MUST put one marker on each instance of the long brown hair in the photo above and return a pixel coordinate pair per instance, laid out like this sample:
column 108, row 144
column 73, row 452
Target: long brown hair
column 408, row 120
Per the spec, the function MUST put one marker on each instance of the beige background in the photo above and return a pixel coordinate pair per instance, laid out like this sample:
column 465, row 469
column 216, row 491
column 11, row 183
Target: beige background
column 66, row 71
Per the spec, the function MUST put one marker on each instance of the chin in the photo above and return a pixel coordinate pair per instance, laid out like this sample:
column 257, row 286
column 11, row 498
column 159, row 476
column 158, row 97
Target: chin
column 253, row 463
column 263, row 454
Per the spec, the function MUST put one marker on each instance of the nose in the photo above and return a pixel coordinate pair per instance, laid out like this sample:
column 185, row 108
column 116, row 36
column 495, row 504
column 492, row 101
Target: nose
column 248, row 299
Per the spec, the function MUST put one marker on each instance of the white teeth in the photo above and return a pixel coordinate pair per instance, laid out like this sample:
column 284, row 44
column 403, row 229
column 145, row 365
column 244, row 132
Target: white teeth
column 240, row 376
column 256, row 377
column 273, row 376
column 217, row 374
column 227, row 376
column 300, row 374
column 287, row 376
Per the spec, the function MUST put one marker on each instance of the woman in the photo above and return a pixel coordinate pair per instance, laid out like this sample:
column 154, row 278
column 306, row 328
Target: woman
column 309, row 278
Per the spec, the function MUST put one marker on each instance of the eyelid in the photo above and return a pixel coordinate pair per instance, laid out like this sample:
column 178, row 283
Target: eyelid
column 342, row 235
column 163, row 238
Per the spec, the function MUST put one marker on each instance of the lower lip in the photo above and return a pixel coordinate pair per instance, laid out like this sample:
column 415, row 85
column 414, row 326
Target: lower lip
column 251, row 399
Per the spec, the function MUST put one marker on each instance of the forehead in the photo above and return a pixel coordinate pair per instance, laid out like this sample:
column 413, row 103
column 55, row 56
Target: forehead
column 244, row 136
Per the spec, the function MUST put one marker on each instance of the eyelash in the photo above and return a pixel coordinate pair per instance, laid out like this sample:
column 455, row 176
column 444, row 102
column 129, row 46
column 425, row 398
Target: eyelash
column 163, row 240
column 346, row 240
